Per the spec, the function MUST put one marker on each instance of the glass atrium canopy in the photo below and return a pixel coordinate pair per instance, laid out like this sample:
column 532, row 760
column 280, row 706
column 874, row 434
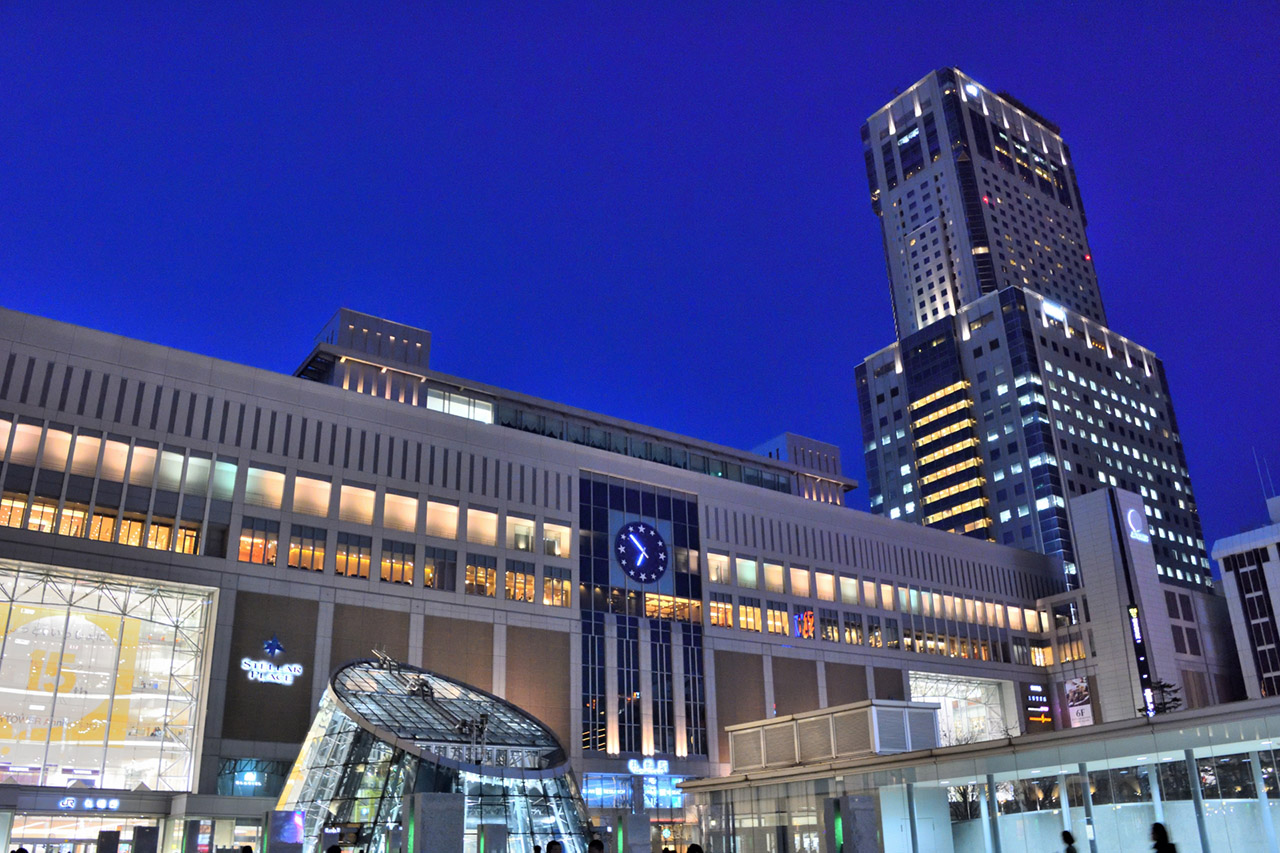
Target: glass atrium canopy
column 385, row 730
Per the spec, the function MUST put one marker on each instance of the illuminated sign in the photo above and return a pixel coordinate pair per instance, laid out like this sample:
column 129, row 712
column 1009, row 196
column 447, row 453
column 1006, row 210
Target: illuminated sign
column 268, row 672
column 1134, row 626
column 804, row 624
column 649, row 767
column 93, row 803
column 1037, row 704
column 1054, row 311
column 1137, row 530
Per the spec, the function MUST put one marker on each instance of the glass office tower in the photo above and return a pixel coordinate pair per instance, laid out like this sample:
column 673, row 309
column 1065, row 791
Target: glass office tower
column 1006, row 393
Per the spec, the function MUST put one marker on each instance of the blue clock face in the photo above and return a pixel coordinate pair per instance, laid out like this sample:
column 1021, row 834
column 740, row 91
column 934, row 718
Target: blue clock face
column 641, row 552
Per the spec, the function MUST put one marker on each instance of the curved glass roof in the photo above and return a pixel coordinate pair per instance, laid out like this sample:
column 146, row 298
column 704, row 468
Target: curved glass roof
column 443, row 717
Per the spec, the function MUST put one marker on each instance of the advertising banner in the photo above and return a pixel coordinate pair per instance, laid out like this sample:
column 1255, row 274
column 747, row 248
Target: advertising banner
column 1079, row 706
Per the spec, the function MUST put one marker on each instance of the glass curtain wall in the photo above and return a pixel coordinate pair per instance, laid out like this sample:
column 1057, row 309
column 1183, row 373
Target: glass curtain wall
column 385, row 730
column 101, row 678
column 1215, row 785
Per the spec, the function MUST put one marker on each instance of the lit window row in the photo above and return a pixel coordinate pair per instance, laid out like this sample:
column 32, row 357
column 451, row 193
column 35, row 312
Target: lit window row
column 955, row 510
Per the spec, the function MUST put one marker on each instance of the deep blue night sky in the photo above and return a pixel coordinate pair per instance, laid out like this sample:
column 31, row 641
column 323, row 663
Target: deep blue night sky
column 661, row 215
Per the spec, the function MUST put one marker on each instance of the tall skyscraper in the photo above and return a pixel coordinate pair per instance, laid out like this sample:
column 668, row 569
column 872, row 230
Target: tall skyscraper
column 1006, row 394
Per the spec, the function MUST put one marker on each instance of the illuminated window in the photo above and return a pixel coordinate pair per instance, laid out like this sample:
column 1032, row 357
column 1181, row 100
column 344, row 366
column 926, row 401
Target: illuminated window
column 720, row 610
column 397, row 561
column 115, row 458
column 824, row 584
column 142, row 467
column 263, row 488
column 399, row 512
column 440, row 568
column 42, row 512
column 101, row 529
column 84, row 455
column 159, row 536
column 520, row 580
column 169, row 472
column 131, row 531
column 747, row 576
column 188, row 539
column 848, row 590
column 57, row 447
column 776, row 618
column 197, row 478
column 774, row 578
column 853, row 628
column 353, row 554
column 749, row 614
column 12, row 506
column 259, row 539
column 829, row 625
column 356, row 504
column 520, row 534
column 74, row 520
column 482, row 576
column 718, row 568
column 442, row 520
column 306, row 548
column 482, row 527
column 311, row 496
column 556, row 589
column 555, row 540
column 26, row 440
column 800, row 581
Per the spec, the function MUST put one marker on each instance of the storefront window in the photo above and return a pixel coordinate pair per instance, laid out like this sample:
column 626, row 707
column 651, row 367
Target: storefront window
column 100, row 679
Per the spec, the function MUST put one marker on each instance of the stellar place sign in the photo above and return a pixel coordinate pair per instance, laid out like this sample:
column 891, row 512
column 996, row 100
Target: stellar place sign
column 268, row 672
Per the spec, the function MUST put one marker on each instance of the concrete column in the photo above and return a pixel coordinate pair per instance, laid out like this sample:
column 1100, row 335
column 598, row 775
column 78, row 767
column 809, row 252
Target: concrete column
column 766, row 661
column 911, row 818
column 1157, row 799
column 713, row 719
column 324, row 647
column 1083, row 773
column 500, row 659
column 1268, row 825
column 611, row 683
column 677, row 686
column 993, row 810
column 988, row 825
column 434, row 822
column 1197, row 798
column 646, row 687
column 1064, row 799
column 417, row 626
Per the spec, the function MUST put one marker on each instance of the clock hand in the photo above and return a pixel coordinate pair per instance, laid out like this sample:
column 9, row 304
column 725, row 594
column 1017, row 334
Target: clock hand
column 643, row 552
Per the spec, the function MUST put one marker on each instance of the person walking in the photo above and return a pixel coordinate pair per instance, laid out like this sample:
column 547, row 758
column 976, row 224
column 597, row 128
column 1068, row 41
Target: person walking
column 1160, row 837
column 1069, row 840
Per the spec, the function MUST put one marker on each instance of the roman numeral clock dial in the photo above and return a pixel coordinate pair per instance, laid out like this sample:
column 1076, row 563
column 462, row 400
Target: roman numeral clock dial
column 641, row 552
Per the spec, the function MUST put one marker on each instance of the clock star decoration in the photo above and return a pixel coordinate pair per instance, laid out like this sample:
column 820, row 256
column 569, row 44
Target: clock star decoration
column 273, row 647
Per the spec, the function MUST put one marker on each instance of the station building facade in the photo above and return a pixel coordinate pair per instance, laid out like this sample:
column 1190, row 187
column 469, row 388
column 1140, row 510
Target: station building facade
column 189, row 548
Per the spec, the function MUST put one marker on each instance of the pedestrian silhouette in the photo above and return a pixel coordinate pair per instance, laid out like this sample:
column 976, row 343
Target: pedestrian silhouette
column 1069, row 840
column 1160, row 836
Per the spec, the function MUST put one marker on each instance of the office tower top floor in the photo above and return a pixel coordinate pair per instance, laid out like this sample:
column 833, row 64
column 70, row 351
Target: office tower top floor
column 975, row 193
